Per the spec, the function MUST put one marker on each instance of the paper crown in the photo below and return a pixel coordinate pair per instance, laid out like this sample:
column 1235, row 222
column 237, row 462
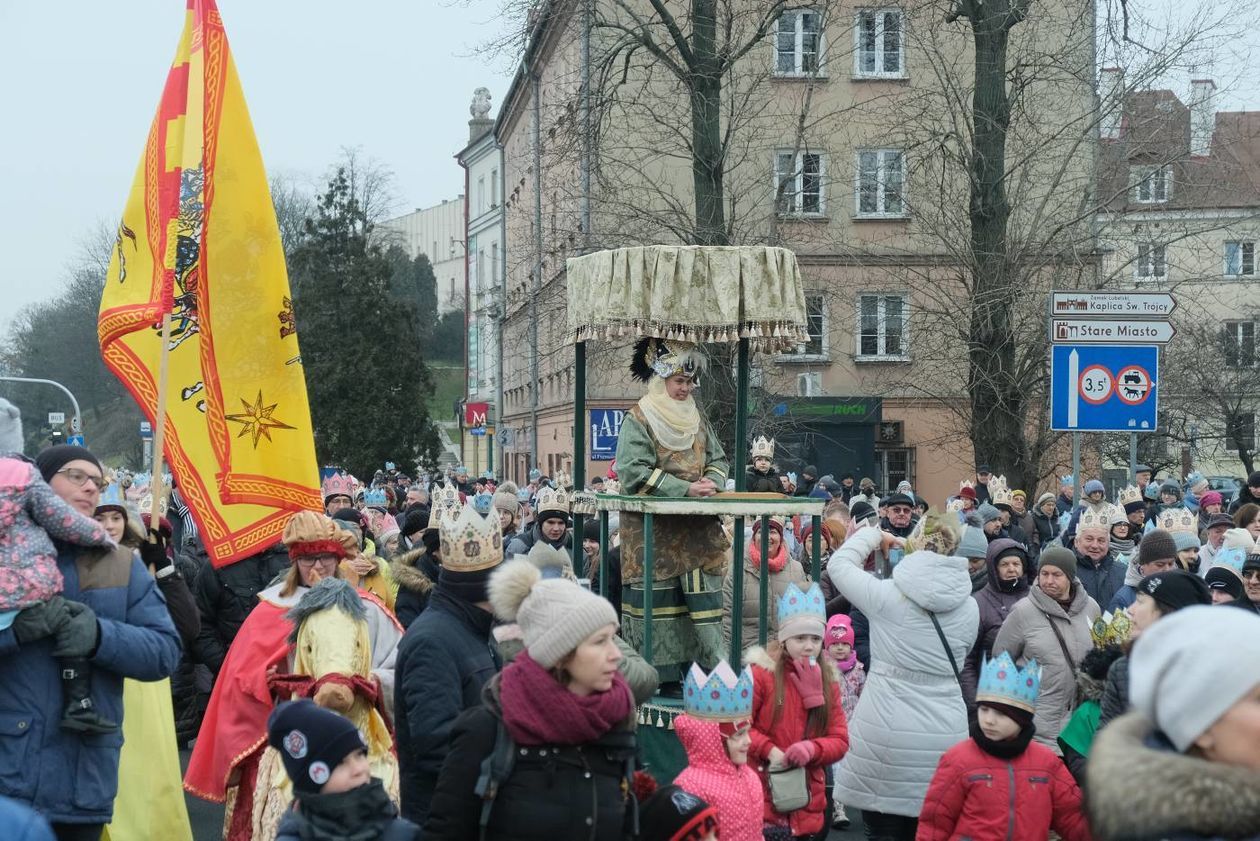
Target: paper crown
column 1178, row 519
column 720, row 695
column 1002, row 682
column 763, row 447
column 612, row 487
column 470, row 541
column 664, row 359
column 562, row 480
column 794, row 602
column 375, row 498
column 966, row 483
column 443, row 502
column 1128, row 495
column 1230, row 556
column 1111, row 629
column 482, row 502
column 999, row 492
column 955, row 505
column 1101, row 517
column 112, row 496
column 553, row 499
column 338, row 484
column 1066, row 481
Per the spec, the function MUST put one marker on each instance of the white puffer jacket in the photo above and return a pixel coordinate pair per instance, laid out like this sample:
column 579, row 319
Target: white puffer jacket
column 911, row 710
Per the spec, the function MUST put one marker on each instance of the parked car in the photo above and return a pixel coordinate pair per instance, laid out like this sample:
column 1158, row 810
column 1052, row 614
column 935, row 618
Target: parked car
column 1226, row 486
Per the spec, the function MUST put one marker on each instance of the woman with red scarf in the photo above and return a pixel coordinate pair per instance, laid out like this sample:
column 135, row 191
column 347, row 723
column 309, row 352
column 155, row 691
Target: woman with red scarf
column 783, row 571
column 557, row 725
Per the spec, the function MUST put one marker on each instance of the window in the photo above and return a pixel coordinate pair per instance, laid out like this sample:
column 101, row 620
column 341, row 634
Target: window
column 1240, row 259
column 1239, row 341
column 1151, row 262
column 894, row 466
column 494, row 264
column 798, row 43
column 880, row 45
column 882, row 322
column 481, row 195
column 798, row 183
column 1154, row 185
column 816, row 324
column 880, row 183
column 494, row 188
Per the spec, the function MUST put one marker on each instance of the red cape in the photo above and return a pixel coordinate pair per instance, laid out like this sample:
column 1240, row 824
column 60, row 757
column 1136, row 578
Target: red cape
column 235, row 724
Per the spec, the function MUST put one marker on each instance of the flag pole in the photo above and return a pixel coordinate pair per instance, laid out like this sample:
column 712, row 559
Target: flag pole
column 159, row 429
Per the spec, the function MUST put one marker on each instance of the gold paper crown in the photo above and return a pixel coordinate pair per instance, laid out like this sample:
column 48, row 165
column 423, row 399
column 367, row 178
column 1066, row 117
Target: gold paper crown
column 966, row 483
column 562, row 480
column 552, row 499
column 1128, row 494
column 1178, row 519
column 443, row 501
column 954, row 505
column 763, row 447
column 612, row 487
column 999, row 492
column 470, row 541
column 1101, row 517
column 1111, row 629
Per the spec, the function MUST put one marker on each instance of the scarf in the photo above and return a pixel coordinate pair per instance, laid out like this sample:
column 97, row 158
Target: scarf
column 361, row 814
column 537, row 710
column 1008, row 749
column 674, row 422
column 847, row 665
column 777, row 561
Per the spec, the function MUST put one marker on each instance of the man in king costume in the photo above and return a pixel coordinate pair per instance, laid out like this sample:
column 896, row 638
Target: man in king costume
column 666, row 448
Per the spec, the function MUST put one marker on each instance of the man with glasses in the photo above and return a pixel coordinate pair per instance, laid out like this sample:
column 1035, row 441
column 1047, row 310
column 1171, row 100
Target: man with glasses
column 900, row 519
column 133, row 637
column 1251, row 580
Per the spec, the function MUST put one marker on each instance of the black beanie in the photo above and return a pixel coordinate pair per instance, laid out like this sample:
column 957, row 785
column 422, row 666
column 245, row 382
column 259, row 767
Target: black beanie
column 1223, row 578
column 672, row 814
column 471, row 587
column 1021, row 716
column 312, row 742
column 56, row 457
column 1175, row 589
column 1156, row 545
column 417, row 519
column 432, row 542
column 590, row 529
column 1253, row 481
column 860, row 511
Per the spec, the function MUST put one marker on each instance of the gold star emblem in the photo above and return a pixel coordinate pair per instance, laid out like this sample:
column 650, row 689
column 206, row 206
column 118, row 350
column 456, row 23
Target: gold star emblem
column 257, row 419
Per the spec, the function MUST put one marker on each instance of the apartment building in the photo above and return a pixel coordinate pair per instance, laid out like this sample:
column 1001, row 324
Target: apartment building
column 438, row 233
column 844, row 125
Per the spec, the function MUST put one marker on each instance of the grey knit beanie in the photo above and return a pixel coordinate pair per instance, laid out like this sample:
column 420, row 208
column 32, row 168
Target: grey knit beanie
column 974, row 543
column 1189, row 668
column 988, row 513
column 1057, row 556
column 555, row 614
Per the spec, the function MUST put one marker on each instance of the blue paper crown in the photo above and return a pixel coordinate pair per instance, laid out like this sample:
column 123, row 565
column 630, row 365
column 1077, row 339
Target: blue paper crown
column 795, row 603
column 112, row 495
column 720, row 695
column 1003, row 682
column 1227, row 556
column 483, row 502
column 375, row 498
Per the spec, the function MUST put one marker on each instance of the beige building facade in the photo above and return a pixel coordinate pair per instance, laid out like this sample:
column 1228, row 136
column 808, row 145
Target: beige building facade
column 438, row 233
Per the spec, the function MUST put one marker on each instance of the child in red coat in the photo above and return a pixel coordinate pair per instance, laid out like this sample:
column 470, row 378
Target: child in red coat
column 798, row 719
column 1000, row 784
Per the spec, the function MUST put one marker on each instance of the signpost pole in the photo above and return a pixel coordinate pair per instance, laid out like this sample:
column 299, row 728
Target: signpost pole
column 1076, row 469
column 1133, row 457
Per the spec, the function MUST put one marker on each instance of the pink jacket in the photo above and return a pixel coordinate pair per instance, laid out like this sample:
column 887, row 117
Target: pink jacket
column 710, row 775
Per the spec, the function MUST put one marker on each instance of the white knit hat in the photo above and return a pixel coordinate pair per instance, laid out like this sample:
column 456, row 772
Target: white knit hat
column 555, row 614
column 1189, row 668
column 10, row 428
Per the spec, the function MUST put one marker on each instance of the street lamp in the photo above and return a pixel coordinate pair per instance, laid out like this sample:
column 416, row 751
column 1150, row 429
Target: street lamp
column 76, row 423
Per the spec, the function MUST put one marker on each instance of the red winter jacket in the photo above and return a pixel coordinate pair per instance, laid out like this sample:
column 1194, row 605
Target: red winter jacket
column 786, row 731
column 710, row 775
column 976, row 796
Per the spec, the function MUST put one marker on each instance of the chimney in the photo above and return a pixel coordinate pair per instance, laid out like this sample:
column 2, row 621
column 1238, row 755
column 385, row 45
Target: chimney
column 480, row 123
column 1202, row 116
column 1110, row 102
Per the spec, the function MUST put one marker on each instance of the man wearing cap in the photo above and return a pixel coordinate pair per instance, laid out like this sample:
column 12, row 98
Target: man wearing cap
column 1156, row 553
column 983, row 475
column 1142, row 476
column 1213, row 536
column 1063, row 502
column 72, row 778
column 1248, row 493
column 1251, row 580
column 1227, row 588
column 900, row 519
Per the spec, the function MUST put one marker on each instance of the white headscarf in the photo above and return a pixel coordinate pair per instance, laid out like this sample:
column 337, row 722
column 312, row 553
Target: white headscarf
column 674, row 422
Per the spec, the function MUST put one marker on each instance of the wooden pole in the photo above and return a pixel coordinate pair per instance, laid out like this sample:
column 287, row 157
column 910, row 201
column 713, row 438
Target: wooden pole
column 159, row 423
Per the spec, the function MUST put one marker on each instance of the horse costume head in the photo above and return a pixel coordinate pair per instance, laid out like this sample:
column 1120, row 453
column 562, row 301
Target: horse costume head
column 331, row 645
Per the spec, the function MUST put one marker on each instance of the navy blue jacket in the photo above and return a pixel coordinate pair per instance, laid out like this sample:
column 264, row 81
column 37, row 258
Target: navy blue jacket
column 67, row 777
column 1101, row 579
column 444, row 660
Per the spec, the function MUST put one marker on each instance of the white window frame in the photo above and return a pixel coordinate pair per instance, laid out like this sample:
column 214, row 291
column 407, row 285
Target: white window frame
column 802, row 351
column 1246, row 254
column 1236, row 331
column 1151, row 256
column 793, row 197
column 879, row 72
column 494, row 188
column 1154, row 186
column 798, row 46
column 881, row 354
column 881, row 185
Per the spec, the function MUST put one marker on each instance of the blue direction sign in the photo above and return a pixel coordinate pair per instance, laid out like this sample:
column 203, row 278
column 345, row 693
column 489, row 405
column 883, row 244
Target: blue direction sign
column 1104, row 388
column 605, row 428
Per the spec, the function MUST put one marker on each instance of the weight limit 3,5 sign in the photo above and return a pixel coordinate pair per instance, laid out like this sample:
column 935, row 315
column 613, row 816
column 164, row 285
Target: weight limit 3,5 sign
column 1104, row 388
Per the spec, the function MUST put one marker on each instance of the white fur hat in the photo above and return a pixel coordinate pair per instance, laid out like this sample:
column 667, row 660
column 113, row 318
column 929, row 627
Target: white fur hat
column 10, row 428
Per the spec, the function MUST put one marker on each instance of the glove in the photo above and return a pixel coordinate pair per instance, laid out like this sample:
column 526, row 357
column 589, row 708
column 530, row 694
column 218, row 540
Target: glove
column 800, row 754
column 81, row 634
column 807, row 679
column 40, row 621
column 153, row 551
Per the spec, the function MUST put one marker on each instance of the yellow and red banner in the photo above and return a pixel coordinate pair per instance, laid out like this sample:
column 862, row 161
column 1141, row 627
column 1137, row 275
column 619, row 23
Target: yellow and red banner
column 199, row 240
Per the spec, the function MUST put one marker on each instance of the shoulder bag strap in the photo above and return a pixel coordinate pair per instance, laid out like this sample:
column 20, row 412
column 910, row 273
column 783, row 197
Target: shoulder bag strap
column 495, row 768
column 1058, row 635
column 949, row 652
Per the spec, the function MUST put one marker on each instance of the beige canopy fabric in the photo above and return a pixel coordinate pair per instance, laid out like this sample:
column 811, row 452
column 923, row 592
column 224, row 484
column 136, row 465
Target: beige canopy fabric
column 692, row 293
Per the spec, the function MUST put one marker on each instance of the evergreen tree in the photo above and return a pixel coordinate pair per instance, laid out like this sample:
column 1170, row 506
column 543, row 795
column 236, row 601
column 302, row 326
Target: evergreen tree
column 413, row 283
column 367, row 382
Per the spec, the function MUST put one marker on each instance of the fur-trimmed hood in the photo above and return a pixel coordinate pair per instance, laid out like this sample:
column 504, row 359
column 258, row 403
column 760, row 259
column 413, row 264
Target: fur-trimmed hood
column 1140, row 790
column 768, row 655
column 408, row 574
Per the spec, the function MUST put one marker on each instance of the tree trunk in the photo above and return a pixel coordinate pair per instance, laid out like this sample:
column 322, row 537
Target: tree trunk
column 707, row 164
column 998, row 402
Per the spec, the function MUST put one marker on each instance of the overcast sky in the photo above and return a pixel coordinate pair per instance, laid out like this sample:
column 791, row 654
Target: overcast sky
column 81, row 82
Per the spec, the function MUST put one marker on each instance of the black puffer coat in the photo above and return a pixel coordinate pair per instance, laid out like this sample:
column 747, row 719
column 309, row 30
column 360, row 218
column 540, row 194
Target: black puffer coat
column 552, row 792
column 416, row 574
column 764, row 482
column 995, row 602
column 187, row 698
column 226, row 596
column 1115, row 697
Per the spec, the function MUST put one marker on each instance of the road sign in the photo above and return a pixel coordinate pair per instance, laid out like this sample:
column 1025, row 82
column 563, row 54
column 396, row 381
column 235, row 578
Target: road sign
column 146, row 429
column 75, row 441
column 507, row 438
column 1128, row 304
column 1080, row 331
column 1104, row 388
column 56, row 418
column 477, row 430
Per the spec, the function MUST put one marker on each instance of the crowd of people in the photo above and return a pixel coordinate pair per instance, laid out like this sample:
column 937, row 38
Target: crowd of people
column 424, row 658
